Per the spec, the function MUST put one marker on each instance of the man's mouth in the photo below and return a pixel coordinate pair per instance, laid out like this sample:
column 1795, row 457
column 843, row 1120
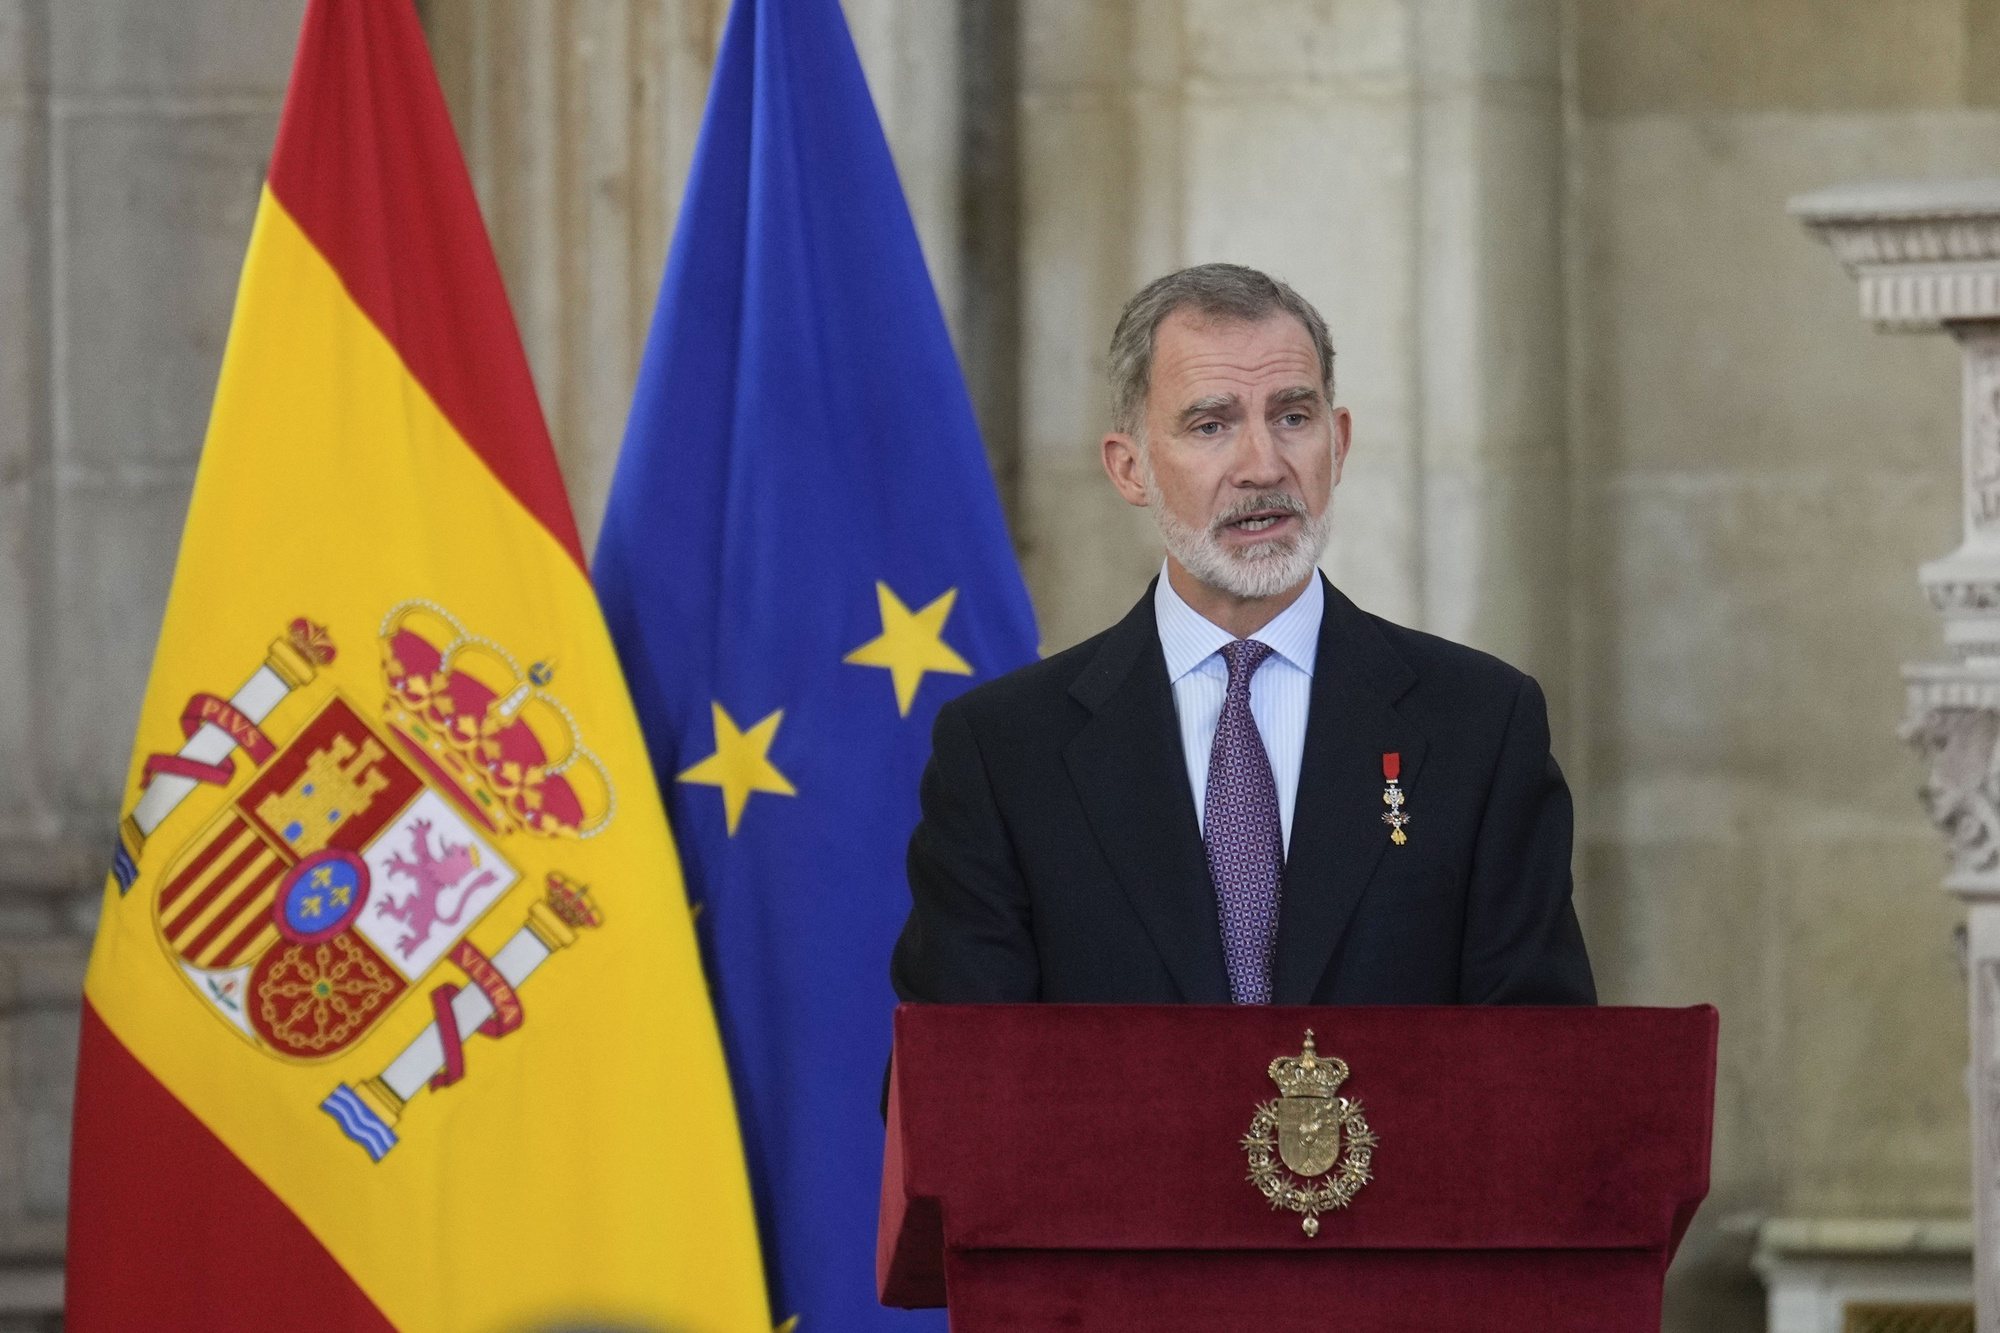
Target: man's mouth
column 1257, row 521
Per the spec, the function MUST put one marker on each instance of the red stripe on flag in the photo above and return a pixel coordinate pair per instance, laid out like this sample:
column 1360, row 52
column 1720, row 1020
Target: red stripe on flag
column 253, row 889
column 188, row 915
column 368, row 166
column 253, row 929
column 169, row 1231
column 223, row 837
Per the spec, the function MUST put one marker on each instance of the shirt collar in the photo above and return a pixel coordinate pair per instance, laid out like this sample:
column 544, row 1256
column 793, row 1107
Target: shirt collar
column 1189, row 639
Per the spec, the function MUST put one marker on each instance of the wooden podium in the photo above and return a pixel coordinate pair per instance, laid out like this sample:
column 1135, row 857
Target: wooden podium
column 1084, row 1166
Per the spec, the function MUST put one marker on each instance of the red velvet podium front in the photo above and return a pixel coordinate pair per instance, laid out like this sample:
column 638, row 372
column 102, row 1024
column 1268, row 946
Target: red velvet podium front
column 1082, row 1167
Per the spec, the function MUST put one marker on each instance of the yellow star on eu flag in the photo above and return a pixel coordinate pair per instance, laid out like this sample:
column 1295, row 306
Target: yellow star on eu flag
column 741, row 764
column 911, row 643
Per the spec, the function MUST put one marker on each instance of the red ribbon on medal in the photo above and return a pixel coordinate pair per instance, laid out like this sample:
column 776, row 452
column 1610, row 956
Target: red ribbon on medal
column 1392, row 796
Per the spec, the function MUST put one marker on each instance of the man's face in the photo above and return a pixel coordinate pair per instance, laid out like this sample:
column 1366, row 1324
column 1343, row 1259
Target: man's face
column 1239, row 454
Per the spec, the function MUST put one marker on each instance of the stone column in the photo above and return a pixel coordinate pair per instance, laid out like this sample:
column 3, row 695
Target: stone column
column 579, row 122
column 1927, row 257
column 1400, row 163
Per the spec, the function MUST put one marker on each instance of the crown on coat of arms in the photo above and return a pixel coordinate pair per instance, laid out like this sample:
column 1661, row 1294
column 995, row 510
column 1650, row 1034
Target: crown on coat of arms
column 1306, row 1074
column 487, row 730
column 571, row 901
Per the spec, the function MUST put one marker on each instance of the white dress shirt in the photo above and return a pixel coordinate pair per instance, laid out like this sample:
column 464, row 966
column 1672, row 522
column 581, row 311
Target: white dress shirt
column 1280, row 691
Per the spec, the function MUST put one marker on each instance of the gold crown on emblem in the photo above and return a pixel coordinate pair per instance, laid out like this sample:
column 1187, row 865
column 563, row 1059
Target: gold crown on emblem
column 571, row 901
column 508, row 749
column 1306, row 1074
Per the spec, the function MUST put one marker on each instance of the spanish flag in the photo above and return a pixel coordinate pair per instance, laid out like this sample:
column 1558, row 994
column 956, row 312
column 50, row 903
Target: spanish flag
column 395, row 1017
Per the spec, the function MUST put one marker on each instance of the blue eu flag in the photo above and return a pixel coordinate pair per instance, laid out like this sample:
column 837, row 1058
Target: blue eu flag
column 802, row 559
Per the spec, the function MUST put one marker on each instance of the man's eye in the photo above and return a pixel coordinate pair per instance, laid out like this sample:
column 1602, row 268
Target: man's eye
column 1210, row 428
column 1293, row 418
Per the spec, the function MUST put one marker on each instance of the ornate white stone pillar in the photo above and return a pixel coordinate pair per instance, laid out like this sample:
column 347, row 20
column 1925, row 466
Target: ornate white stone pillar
column 1927, row 256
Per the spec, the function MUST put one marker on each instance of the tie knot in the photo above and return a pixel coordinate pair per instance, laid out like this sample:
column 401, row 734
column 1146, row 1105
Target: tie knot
column 1244, row 656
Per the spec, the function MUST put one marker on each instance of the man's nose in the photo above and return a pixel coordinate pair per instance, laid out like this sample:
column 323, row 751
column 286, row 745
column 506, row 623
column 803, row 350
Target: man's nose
column 1259, row 466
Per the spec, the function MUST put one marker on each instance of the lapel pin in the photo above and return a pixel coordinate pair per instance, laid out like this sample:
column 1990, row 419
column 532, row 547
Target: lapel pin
column 1392, row 796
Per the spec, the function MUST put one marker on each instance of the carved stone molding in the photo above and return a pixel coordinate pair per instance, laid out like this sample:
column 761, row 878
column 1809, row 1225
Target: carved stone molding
column 1956, row 727
column 1917, row 301
column 1941, row 238
column 1951, row 594
column 1968, row 597
column 1924, row 253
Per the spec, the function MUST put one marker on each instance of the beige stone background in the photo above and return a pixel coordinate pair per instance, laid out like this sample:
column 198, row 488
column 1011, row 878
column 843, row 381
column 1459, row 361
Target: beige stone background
column 1616, row 419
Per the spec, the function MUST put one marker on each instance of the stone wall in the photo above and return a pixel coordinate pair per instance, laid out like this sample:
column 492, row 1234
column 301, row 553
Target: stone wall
column 1758, row 476
column 1615, row 419
column 133, row 141
column 1398, row 162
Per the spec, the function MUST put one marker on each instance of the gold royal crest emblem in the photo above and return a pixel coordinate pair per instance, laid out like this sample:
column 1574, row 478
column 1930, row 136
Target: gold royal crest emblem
column 1310, row 1129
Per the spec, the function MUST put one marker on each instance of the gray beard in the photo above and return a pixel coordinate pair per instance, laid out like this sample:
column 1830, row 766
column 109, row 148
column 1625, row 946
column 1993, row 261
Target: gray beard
column 1263, row 571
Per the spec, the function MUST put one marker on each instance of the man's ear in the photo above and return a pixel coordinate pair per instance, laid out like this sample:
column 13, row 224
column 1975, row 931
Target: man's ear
column 1123, row 465
column 1343, row 434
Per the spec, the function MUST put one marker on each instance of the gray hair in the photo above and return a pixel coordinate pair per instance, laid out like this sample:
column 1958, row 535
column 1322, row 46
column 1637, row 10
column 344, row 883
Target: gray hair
column 1225, row 292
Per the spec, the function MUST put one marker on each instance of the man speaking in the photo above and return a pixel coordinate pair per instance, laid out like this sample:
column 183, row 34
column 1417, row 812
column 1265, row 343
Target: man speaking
column 1248, row 789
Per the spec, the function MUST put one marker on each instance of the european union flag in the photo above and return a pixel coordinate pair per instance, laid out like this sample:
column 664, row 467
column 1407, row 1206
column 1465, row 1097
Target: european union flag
column 802, row 559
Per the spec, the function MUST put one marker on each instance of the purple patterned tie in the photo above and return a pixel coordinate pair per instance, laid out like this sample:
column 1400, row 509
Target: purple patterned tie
column 1246, row 841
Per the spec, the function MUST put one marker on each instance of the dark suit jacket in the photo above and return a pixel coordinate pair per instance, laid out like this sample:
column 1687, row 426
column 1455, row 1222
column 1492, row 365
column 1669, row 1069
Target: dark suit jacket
column 1059, row 859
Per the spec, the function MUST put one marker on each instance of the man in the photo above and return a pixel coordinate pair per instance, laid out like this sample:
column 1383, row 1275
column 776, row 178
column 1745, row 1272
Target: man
column 1248, row 790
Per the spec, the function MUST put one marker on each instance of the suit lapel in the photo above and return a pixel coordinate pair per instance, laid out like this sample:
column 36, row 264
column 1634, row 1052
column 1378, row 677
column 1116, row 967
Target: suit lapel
column 1131, row 777
column 1338, row 837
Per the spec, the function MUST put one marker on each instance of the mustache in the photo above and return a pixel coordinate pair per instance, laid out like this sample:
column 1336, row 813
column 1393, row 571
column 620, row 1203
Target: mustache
column 1269, row 502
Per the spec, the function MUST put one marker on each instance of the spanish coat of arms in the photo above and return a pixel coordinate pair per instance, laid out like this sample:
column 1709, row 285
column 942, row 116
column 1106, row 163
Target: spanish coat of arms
column 355, row 861
column 1311, row 1130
